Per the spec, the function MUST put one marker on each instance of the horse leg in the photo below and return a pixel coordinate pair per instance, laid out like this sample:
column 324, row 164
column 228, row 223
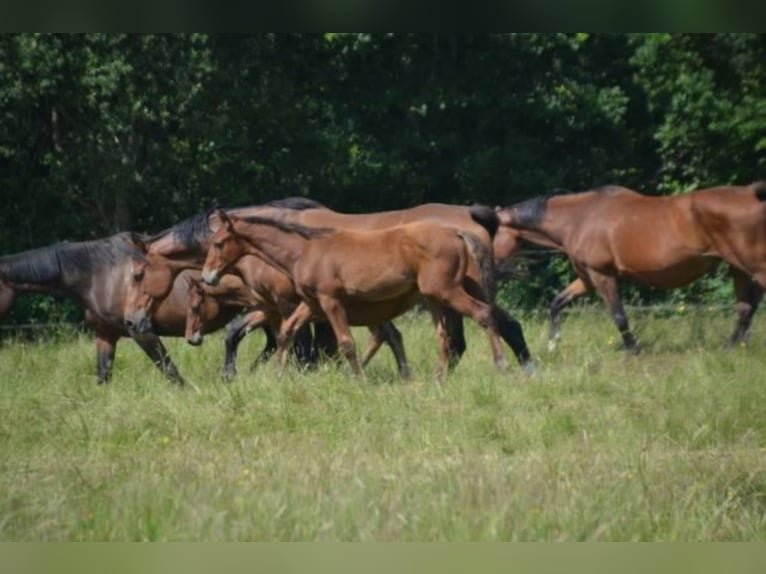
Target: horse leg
column 299, row 317
column 606, row 286
column 303, row 345
column 336, row 315
column 234, row 334
column 153, row 347
column 271, row 344
column 325, row 343
column 575, row 289
column 389, row 334
column 106, row 345
column 7, row 297
column 453, row 323
column 512, row 333
column 748, row 294
column 440, row 323
column 481, row 312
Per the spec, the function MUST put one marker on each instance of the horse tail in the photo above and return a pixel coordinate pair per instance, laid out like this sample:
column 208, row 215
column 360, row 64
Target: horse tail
column 485, row 262
column 760, row 190
column 486, row 217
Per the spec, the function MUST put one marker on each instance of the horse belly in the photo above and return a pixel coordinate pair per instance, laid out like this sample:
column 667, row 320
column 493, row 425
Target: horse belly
column 670, row 276
column 361, row 313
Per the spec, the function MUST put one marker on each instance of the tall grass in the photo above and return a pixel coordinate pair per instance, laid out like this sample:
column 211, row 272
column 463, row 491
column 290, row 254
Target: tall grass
column 668, row 445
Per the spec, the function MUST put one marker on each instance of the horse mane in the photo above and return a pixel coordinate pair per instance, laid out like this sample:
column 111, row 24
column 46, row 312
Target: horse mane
column 529, row 214
column 302, row 230
column 189, row 231
column 47, row 264
column 295, row 203
column 192, row 230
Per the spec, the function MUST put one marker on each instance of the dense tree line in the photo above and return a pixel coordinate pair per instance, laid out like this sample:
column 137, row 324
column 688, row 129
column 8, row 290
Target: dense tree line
column 101, row 133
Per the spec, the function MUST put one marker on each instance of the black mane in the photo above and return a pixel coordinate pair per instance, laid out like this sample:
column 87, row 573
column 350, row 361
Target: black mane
column 302, row 230
column 295, row 203
column 189, row 231
column 47, row 265
column 530, row 213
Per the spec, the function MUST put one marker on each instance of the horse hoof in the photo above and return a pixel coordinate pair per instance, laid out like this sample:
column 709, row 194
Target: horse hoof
column 529, row 369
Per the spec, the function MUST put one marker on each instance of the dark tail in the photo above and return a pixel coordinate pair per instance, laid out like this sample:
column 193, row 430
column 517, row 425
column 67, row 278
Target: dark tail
column 760, row 190
column 486, row 217
column 485, row 262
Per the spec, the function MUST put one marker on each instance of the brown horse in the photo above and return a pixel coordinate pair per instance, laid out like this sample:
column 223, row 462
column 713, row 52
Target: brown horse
column 93, row 274
column 366, row 277
column 205, row 299
column 664, row 242
column 503, row 241
column 189, row 240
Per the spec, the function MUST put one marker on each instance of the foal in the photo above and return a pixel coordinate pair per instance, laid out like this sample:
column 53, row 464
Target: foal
column 366, row 277
column 664, row 242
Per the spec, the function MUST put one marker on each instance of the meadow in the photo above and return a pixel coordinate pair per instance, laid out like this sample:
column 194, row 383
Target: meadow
column 669, row 445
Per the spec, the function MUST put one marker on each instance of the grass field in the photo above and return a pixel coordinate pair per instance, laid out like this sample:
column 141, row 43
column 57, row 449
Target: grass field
column 670, row 445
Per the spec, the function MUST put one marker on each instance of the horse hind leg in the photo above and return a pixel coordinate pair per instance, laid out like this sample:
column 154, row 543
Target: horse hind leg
column 606, row 286
column 748, row 294
column 575, row 289
column 455, row 332
column 511, row 332
column 389, row 334
column 481, row 312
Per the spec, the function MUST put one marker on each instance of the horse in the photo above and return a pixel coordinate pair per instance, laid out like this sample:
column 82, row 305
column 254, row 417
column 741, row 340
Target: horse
column 93, row 274
column 268, row 291
column 612, row 232
column 189, row 240
column 366, row 277
column 204, row 299
column 503, row 240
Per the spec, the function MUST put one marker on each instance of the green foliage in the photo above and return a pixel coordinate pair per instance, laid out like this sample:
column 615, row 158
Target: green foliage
column 101, row 132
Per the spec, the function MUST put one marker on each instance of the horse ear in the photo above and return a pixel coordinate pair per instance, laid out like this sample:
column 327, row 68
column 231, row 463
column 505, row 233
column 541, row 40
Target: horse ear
column 138, row 241
column 504, row 216
column 226, row 219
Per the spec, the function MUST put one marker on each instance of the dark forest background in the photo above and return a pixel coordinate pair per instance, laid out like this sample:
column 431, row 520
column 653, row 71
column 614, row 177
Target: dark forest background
column 102, row 133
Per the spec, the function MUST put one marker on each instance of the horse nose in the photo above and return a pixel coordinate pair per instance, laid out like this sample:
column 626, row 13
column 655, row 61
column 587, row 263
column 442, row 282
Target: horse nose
column 129, row 324
column 210, row 277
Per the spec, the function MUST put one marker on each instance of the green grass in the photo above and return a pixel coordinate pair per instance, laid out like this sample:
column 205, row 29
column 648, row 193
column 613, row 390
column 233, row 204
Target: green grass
column 597, row 446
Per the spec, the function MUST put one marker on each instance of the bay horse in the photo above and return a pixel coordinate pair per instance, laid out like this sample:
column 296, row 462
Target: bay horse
column 93, row 273
column 366, row 277
column 613, row 232
column 204, row 299
column 503, row 241
column 189, row 241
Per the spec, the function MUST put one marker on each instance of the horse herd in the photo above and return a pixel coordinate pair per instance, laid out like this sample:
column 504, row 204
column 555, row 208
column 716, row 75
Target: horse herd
column 291, row 264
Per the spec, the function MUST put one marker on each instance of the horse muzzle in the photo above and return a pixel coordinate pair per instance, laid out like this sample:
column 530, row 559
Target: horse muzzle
column 211, row 277
column 138, row 323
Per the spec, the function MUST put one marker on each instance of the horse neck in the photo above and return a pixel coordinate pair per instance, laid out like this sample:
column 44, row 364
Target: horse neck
column 562, row 213
column 176, row 251
column 230, row 291
column 278, row 248
column 37, row 270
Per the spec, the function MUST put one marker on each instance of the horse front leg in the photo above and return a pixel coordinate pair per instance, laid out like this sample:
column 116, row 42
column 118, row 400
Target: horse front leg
column 575, row 289
column 299, row 317
column 389, row 334
column 106, row 345
column 7, row 297
column 748, row 294
column 336, row 316
column 153, row 347
column 606, row 286
column 237, row 331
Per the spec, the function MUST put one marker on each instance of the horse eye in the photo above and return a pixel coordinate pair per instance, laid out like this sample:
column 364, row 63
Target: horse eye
column 138, row 276
column 218, row 245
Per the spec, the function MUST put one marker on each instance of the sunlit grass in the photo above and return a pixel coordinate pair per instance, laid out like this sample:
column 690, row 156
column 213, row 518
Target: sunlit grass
column 668, row 445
